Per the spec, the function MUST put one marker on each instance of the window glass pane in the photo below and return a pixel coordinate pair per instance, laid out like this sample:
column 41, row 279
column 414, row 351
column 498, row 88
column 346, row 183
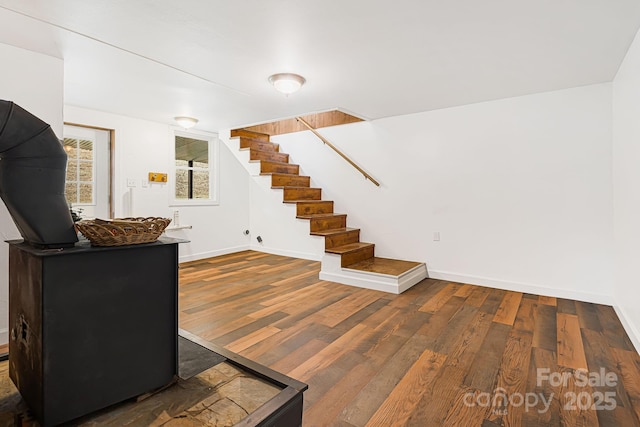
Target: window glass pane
column 182, row 184
column 71, row 192
column 201, row 165
column 72, row 170
column 70, row 147
column 192, row 182
column 86, row 149
column 200, row 184
column 192, row 150
column 86, row 193
column 86, row 171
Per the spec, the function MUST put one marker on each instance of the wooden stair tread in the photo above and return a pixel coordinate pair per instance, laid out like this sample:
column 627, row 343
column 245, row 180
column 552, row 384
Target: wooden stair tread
column 250, row 134
column 392, row 267
column 315, row 192
column 280, row 163
column 322, row 215
column 254, row 139
column 326, row 233
column 285, row 174
column 351, row 247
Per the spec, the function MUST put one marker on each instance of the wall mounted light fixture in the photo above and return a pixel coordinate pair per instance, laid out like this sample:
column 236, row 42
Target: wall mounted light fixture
column 287, row 83
column 186, row 122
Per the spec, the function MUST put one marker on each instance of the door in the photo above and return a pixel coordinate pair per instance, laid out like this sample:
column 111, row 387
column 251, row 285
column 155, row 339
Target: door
column 87, row 187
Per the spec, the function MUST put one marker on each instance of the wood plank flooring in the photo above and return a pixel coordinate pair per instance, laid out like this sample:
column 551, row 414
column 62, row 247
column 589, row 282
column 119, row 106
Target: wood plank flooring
column 439, row 354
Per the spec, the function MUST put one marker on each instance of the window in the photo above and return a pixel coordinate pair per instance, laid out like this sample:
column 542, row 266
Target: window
column 80, row 183
column 195, row 172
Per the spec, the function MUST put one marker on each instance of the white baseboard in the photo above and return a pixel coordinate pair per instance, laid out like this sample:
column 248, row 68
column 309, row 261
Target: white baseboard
column 4, row 336
column 522, row 287
column 629, row 327
column 374, row 281
column 284, row 252
column 211, row 254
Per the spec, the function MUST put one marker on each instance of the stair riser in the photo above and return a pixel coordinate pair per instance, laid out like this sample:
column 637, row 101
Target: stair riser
column 249, row 134
column 302, row 194
column 342, row 239
column 310, row 208
column 330, row 223
column 269, row 155
column 258, row 145
column 290, row 181
column 268, row 167
column 357, row 256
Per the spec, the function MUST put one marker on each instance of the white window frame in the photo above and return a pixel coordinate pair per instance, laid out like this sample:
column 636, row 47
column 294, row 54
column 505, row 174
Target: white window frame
column 214, row 168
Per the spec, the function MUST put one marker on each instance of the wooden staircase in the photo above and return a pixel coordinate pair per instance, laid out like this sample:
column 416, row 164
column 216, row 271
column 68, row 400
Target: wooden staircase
column 342, row 246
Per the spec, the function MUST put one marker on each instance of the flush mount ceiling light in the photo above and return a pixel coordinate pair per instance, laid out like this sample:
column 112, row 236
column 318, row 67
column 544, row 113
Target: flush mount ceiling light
column 186, row 122
column 287, row 83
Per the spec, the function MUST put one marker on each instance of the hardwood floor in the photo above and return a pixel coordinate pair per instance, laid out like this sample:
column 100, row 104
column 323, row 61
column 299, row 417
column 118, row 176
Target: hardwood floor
column 439, row 354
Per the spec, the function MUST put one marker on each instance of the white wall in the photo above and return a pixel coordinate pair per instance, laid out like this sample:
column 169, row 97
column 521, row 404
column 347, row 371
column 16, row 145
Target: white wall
column 626, row 168
column 519, row 189
column 272, row 220
column 142, row 147
column 35, row 82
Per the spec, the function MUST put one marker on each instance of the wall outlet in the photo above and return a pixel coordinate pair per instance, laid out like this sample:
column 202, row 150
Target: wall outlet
column 131, row 182
column 145, row 183
column 436, row 236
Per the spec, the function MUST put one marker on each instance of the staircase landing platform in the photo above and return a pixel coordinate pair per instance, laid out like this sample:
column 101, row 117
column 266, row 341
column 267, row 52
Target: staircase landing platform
column 380, row 274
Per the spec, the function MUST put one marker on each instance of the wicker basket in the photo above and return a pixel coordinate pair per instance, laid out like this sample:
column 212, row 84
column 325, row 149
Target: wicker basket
column 122, row 231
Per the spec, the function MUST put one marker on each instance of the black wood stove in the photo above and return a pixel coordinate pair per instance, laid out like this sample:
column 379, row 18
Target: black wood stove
column 91, row 326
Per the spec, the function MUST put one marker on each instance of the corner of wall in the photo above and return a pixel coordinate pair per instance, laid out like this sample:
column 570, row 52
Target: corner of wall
column 630, row 328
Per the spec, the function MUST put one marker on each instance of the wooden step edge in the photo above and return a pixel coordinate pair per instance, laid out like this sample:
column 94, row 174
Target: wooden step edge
column 385, row 266
column 324, row 202
column 314, row 216
column 297, row 187
column 275, row 173
column 281, row 164
column 265, row 151
column 304, row 201
column 258, row 141
column 334, row 232
column 287, row 175
column 276, row 148
column 248, row 138
column 265, row 160
column 349, row 248
column 291, row 174
column 235, row 133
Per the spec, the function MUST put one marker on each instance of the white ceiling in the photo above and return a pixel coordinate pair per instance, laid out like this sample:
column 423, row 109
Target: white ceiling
column 156, row 59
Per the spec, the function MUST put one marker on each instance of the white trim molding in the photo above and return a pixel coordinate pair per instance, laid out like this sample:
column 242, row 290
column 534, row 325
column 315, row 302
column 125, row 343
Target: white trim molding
column 521, row 287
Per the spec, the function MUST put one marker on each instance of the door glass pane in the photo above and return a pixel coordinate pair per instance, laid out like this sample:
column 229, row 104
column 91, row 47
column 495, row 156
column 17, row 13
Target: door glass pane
column 72, row 170
column 86, row 171
column 71, row 192
column 86, row 149
column 70, row 145
column 86, row 193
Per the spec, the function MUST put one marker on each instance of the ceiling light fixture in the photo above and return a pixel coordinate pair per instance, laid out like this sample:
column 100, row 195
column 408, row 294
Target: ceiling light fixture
column 186, row 122
column 287, row 83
